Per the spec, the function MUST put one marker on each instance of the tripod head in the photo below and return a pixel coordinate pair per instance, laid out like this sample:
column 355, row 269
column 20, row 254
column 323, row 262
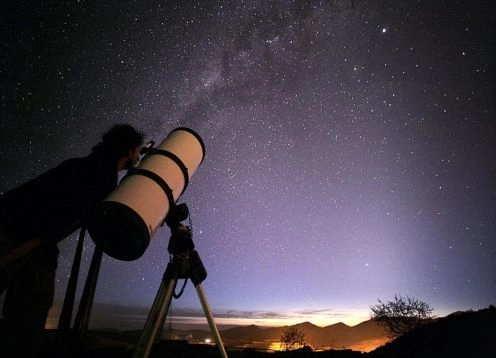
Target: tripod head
column 185, row 262
column 181, row 239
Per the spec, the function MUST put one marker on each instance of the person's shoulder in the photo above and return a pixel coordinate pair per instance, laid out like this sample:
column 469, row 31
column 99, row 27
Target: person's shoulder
column 91, row 168
column 66, row 165
column 73, row 161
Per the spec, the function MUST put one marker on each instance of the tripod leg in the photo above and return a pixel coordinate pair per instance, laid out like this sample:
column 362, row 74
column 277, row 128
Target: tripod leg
column 156, row 317
column 70, row 294
column 83, row 314
column 210, row 319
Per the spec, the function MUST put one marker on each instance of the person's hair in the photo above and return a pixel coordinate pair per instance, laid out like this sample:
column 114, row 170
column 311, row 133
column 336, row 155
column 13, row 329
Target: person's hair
column 117, row 142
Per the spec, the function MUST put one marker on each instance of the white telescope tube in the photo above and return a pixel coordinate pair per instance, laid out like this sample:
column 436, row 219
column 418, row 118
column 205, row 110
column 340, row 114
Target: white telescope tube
column 125, row 222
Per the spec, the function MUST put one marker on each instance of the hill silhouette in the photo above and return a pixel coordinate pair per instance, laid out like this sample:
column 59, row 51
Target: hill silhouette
column 338, row 335
column 461, row 334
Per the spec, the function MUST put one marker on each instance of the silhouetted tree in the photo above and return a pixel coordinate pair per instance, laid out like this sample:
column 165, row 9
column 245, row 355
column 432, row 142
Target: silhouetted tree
column 292, row 338
column 401, row 315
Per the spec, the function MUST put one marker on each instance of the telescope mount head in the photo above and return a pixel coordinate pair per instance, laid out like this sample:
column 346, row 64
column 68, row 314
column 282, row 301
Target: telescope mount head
column 181, row 239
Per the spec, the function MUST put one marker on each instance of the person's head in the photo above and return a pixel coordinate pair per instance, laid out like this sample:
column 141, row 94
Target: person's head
column 122, row 144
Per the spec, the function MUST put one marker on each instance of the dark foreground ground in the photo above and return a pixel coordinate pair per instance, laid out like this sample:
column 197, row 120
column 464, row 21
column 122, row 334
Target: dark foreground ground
column 97, row 346
column 184, row 350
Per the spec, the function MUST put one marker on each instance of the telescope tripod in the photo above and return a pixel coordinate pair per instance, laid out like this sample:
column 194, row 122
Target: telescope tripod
column 184, row 263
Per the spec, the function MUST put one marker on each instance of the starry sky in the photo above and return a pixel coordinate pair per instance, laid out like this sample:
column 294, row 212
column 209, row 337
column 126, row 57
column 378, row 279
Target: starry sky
column 350, row 145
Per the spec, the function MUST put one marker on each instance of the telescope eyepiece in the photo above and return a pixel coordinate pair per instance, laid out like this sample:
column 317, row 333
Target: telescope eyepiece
column 149, row 145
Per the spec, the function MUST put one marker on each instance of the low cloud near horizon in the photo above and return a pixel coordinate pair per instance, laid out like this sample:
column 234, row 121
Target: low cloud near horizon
column 134, row 317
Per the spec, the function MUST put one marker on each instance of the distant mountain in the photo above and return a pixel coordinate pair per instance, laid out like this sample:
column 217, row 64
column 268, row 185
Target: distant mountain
column 336, row 336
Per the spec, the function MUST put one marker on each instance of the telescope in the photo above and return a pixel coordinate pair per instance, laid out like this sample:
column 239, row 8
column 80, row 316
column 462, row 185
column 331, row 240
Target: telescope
column 124, row 223
column 126, row 220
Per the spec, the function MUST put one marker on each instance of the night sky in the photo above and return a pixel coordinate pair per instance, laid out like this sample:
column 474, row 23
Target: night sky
column 350, row 145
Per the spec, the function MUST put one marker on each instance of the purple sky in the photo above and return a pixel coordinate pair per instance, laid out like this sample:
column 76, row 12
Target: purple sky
column 349, row 144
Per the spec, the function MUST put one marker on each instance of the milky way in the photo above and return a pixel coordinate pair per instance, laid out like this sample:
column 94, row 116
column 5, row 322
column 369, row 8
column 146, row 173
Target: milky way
column 349, row 144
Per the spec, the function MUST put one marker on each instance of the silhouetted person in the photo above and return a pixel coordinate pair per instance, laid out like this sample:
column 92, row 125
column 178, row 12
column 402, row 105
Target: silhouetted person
column 51, row 207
